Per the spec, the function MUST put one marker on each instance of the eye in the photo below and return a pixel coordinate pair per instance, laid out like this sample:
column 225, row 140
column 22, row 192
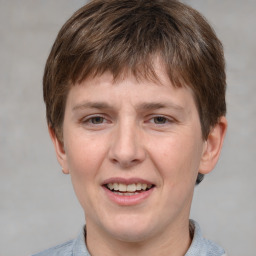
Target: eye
column 160, row 120
column 96, row 120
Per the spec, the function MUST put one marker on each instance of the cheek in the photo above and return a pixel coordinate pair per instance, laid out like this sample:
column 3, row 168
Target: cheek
column 84, row 155
column 84, row 159
column 177, row 159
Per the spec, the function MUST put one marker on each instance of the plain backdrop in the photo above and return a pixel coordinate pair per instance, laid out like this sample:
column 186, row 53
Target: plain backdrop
column 38, row 208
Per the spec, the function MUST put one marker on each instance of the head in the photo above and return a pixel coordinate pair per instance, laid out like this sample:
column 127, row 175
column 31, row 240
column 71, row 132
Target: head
column 114, row 51
column 123, row 36
column 127, row 36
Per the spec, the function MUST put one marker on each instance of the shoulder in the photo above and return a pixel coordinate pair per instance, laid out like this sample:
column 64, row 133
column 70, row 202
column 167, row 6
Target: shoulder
column 201, row 246
column 64, row 249
column 76, row 247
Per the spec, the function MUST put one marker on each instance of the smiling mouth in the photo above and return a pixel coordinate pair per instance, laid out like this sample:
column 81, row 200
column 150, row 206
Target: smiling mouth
column 128, row 190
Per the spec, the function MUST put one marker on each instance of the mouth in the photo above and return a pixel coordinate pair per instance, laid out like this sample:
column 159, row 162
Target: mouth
column 132, row 189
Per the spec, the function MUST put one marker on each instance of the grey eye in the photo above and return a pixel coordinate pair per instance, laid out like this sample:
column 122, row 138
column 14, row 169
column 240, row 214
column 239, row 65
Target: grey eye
column 97, row 120
column 160, row 120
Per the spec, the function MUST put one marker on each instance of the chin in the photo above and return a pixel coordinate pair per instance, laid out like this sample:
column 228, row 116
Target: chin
column 131, row 235
column 130, row 230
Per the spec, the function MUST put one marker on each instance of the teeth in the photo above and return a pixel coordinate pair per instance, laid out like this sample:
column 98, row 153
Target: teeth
column 122, row 188
column 128, row 188
column 131, row 188
column 111, row 186
column 116, row 187
column 127, row 194
column 144, row 186
column 138, row 186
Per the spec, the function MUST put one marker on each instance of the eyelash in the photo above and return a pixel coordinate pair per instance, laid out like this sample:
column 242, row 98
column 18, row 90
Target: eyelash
column 89, row 120
column 166, row 120
column 163, row 120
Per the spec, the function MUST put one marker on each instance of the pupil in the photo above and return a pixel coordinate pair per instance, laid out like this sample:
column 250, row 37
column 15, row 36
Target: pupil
column 160, row 120
column 97, row 120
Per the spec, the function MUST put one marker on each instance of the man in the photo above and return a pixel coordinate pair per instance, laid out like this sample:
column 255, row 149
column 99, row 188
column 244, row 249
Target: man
column 135, row 102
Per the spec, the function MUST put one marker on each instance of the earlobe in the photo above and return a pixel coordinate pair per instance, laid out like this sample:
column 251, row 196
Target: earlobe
column 212, row 146
column 60, row 151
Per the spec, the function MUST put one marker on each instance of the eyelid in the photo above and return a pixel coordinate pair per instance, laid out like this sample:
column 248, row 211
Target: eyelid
column 168, row 119
column 87, row 119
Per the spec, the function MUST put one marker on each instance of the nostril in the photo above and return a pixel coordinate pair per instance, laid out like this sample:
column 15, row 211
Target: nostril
column 125, row 163
column 126, row 148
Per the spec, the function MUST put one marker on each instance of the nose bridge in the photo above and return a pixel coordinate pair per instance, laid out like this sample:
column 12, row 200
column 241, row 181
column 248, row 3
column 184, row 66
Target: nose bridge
column 126, row 148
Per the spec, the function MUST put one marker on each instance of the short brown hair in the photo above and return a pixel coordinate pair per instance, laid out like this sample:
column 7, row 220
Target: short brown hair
column 121, row 35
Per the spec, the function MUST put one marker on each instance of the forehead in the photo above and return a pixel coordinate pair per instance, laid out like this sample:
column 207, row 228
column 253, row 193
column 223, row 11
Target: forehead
column 155, row 73
column 105, row 91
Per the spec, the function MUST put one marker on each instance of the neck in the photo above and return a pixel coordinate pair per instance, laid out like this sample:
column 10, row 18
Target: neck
column 176, row 240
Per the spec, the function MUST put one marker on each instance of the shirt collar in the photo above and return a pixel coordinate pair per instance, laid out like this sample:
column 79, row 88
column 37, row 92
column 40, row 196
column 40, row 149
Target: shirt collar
column 79, row 246
column 199, row 246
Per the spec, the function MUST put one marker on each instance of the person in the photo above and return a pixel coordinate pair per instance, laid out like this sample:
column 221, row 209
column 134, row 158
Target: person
column 135, row 105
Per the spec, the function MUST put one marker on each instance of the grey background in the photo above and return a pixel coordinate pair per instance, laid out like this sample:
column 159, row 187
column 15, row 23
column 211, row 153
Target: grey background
column 38, row 208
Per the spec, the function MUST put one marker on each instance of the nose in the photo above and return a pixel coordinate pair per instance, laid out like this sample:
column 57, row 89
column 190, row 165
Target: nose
column 127, row 148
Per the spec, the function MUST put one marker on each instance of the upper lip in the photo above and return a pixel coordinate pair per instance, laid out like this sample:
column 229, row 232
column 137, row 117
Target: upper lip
column 126, row 181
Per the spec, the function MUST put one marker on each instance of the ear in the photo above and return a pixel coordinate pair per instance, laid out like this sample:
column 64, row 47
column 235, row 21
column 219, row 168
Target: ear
column 212, row 147
column 60, row 151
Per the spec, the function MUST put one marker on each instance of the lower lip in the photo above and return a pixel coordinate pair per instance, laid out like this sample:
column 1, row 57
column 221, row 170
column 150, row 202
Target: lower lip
column 128, row 200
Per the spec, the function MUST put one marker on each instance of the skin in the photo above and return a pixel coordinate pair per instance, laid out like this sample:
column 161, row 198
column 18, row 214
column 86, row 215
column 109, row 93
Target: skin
column 135, row 129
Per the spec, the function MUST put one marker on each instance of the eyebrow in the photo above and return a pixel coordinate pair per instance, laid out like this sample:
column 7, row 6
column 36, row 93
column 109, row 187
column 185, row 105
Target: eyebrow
column 159, row 105
column 89, row 104
column 141, row 106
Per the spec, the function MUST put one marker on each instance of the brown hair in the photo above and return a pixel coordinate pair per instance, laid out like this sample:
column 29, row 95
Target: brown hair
column 121, row 35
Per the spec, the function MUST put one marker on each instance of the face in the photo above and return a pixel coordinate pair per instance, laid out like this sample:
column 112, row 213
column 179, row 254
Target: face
column 133, row 150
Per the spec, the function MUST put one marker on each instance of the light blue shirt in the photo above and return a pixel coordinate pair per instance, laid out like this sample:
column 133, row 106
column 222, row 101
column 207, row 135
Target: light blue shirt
column 199, row 246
